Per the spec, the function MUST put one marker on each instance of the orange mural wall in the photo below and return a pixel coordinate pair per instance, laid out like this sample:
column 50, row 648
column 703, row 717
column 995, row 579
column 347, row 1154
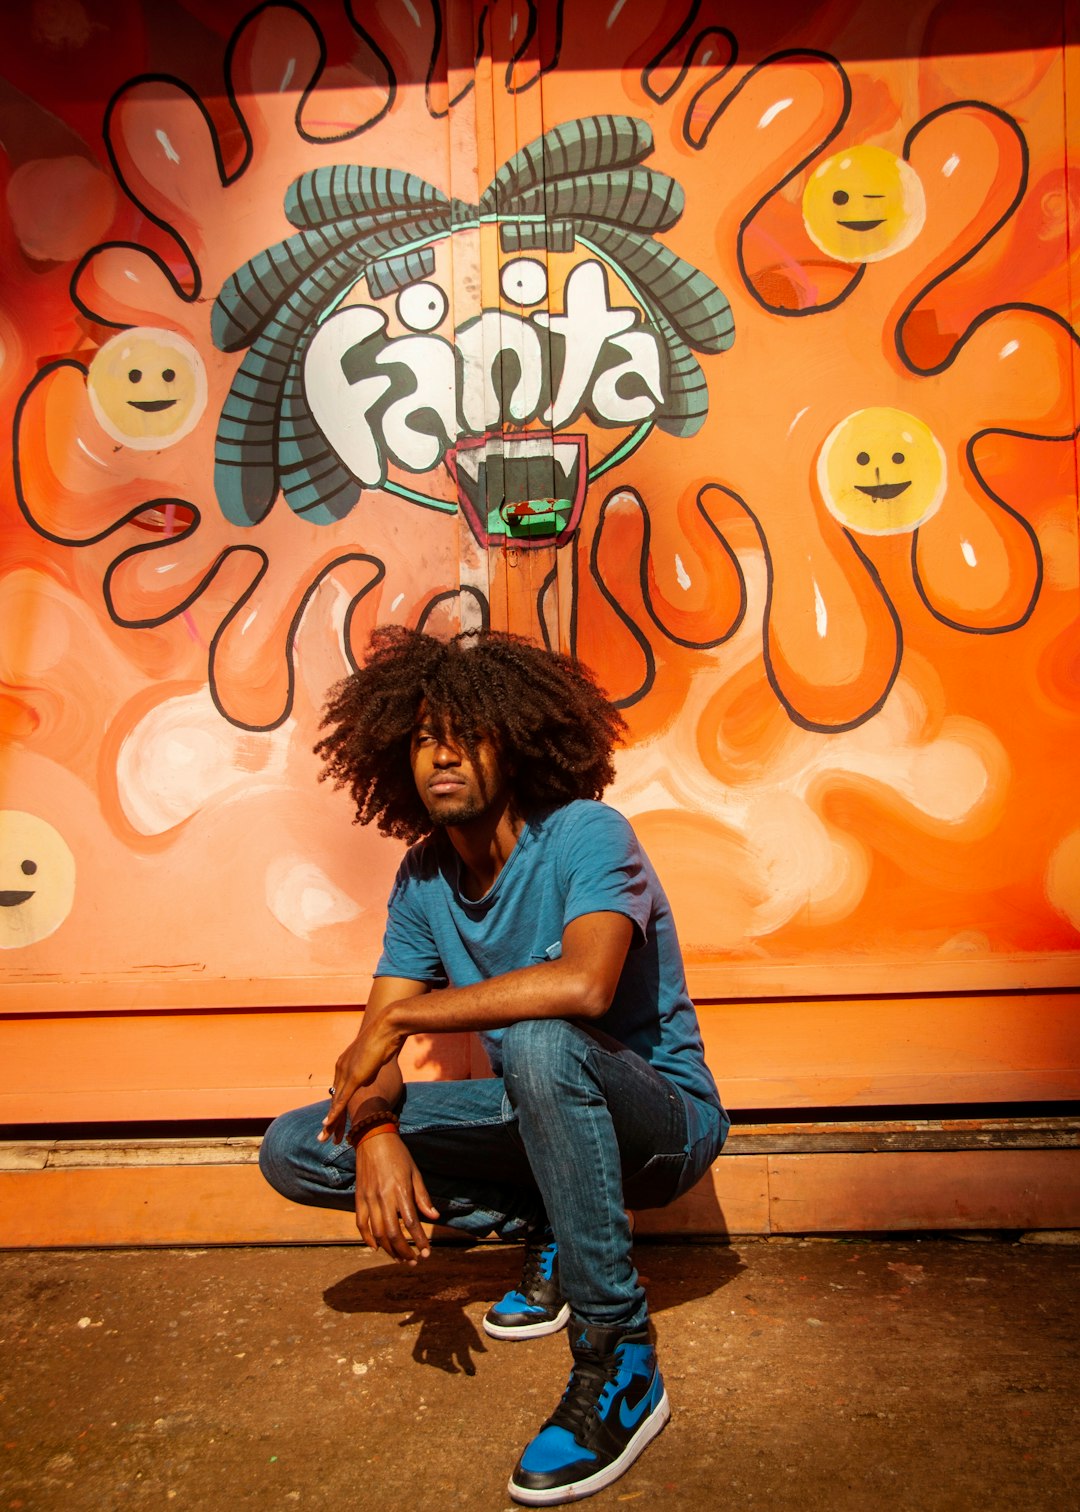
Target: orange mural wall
column 732, row 347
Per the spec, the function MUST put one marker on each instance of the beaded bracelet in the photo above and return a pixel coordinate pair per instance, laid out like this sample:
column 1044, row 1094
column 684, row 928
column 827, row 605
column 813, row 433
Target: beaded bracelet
column 369, row 1121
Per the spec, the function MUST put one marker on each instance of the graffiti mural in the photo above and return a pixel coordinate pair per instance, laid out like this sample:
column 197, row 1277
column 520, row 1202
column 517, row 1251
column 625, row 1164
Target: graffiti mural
column 735, row 355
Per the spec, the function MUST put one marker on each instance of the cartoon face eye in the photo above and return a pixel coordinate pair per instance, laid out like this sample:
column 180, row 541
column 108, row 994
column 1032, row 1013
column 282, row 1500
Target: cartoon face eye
column 898, row 457
column 524, row 281
column 841, row 197
column 135, row 375
column 28, row 868
column 422, row 306
column 863, row 458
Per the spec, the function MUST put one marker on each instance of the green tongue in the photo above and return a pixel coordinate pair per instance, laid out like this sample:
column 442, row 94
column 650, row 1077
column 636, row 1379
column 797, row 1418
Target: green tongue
column 544, row 517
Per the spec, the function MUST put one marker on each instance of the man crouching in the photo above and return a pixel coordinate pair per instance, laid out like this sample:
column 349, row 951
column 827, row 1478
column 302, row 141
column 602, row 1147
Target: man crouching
column 526, row 911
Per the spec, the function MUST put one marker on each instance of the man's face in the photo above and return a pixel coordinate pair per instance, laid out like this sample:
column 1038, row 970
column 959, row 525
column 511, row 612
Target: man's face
column 454, row 787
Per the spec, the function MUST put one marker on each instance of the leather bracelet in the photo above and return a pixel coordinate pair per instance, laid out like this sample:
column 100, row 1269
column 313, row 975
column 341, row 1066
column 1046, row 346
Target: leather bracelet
column 389, row 1127
column 369, row 1121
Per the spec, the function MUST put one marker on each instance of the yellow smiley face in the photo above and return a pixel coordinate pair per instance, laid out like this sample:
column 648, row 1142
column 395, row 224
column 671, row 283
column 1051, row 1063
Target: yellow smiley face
column 37, row 879
column 863, row 204
column 147, row 388
column 882, row 472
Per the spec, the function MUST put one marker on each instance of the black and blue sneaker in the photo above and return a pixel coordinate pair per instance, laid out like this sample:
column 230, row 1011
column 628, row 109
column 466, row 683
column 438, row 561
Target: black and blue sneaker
column 613, row 1407
column 536, row 1307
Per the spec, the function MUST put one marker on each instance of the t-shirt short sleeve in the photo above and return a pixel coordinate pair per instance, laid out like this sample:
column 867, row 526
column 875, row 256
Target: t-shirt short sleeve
column 409, row 948
column 603, row 867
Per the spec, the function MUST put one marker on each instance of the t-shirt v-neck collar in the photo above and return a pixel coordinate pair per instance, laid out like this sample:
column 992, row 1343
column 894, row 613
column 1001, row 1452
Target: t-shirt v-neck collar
column 453, row 868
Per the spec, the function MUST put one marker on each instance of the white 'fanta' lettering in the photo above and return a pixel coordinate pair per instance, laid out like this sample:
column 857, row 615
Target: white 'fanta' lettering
column 588, row 322
column 341, row 408
column 431, row 362
column 643, row 361
column 481, row 344
column 497, row 370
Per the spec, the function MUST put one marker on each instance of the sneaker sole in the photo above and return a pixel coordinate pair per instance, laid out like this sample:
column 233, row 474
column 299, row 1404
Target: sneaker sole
column 551, row 1496
column 529, row 1330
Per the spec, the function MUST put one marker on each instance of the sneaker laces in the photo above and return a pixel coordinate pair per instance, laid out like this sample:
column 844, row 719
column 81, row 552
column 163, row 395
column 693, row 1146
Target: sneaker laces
column 582, row 1395
column 532, row 1277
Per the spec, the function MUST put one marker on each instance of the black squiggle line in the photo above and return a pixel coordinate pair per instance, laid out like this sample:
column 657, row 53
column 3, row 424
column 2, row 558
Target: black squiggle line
column 101, row 535
column 1009, row 212
column 466, row 589
column 121, row 246
column 312, row 83
column 786, row 54
column 290, row 639
column 793, row 714
column 106, row 134
column 725, row 545
column 657, row 61
column 643, row 577
column 436, row 52
column 543, row 67
column 1024, row 524
column 152, row 622
column 642, row 641
column 699, row 94
column 575, row 585
column 522, row 47
column 391, row 77
column 541, row 618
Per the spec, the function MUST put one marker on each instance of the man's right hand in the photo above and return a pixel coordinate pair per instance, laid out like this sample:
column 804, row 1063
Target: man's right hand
column 390, row 1197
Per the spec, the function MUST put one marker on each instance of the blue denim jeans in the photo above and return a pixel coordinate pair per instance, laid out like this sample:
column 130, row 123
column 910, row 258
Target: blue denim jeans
column 575, row 1130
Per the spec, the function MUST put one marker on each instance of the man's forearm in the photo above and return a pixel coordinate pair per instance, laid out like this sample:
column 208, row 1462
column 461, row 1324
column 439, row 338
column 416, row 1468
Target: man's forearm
column 383, row 1091
column 539, row 991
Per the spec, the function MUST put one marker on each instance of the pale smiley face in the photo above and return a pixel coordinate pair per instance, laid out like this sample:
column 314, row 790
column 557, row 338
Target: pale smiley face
column 37, row 879
column 147, row 388
column 882, row 472
column 863, row 204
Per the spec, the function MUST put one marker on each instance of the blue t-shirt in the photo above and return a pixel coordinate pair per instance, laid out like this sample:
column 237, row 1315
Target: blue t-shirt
column 579, row 859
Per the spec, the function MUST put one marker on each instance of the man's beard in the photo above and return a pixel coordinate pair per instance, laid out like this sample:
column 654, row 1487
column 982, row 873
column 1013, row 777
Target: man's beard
column 461, row 811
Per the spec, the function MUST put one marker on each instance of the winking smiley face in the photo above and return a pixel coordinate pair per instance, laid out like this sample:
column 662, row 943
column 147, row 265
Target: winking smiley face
column 863, row 204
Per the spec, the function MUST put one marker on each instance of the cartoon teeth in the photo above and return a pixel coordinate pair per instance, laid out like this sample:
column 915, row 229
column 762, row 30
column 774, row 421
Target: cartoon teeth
column 520, row 486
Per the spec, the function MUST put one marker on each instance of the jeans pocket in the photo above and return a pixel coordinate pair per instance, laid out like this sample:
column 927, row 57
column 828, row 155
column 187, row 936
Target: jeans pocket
column 657, row 1183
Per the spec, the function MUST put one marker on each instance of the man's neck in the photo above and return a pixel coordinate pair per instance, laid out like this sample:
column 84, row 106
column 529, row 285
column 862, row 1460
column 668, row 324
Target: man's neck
column 484, row 846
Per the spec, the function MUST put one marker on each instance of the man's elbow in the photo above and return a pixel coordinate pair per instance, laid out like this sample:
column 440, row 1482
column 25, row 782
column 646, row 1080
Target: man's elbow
column 592, row 996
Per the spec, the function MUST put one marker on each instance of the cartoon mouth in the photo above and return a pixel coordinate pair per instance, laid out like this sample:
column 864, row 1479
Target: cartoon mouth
column 520, row 487
column 13, row 899
column 151, row 406
column 882, row 490
column 868, row 225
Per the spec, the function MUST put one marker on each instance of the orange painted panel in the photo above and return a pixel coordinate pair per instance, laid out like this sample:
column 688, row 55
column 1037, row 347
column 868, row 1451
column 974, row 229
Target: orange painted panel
column 765, row 1055
column 895, row 1051
column 232, row 1204
column 170, row 1066
column 744, row 1194
column 977, row 1189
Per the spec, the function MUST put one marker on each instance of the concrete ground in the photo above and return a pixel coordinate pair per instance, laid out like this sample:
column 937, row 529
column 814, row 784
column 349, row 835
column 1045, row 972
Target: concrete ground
column 915, row 1376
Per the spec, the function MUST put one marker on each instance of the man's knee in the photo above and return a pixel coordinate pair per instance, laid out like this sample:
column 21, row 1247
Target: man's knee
column 278, row 1152
column 542, row 1058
